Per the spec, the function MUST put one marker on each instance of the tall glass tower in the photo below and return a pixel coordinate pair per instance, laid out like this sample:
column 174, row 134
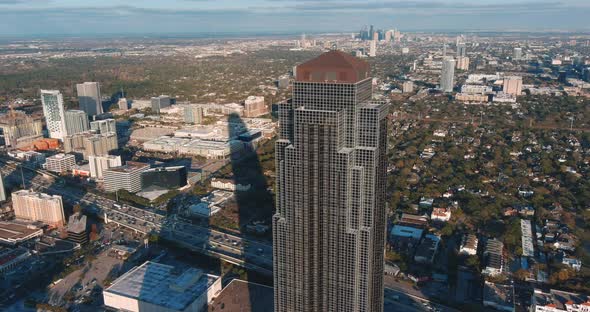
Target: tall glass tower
column 329, row 228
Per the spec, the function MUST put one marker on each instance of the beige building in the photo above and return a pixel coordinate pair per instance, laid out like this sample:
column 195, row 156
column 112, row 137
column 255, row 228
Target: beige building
column 512, row 85
column 60, row 163
column 98, row 164
column 254, row 106
column 463, row 63
column 29, row 205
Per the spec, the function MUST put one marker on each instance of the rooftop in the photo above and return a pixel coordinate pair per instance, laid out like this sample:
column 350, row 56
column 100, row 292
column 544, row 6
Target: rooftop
column 243, row 296
column 158, row 284
column 334, row 66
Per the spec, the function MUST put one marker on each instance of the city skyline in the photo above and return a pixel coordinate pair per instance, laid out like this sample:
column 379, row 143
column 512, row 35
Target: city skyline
column 32, row 17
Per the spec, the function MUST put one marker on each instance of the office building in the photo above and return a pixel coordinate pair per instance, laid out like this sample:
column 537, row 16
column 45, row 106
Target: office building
column 104, row 126
column 126, row 177
column 193, row 114
column 60, row 163
column 89, row 98
column 53, row 110
column 329, row 227
column 164, row 178
column 2, row 190
column 77, row 228
column 123, row 104
column 17, row 128
column 98, row 164
column 33, row 206
column 408, row 87
column 512, row 85
column 76, row 122
column 156, row 287
column 160, row 102
column 14, row 233
column 463, row 63
column 447, row 76
column 517, row 54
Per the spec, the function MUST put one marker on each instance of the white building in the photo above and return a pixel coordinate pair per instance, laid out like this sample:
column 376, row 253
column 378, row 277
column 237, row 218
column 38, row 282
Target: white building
column 229, row 185
column 155, row 287
column 60, row 163
column 33, row 206
column 53, row 110
column 98, row 164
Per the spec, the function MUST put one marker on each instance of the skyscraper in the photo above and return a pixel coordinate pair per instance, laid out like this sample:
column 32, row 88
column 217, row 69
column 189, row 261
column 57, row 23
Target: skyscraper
column 329, row 228
column 76, row 122
column 447, row 75
column 89, row 98
column 53, row 110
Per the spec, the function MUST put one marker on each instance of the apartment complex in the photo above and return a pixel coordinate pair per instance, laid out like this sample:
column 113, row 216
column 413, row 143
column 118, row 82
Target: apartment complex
column 33, row 206
column 127, row 177
column 329, row 228
column 98, row 164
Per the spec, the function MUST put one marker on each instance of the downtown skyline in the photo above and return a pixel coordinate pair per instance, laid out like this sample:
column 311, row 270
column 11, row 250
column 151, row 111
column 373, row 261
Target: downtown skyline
column 77, row 18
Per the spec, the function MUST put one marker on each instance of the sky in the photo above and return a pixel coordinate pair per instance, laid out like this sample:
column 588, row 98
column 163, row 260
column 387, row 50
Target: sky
column 88, row 17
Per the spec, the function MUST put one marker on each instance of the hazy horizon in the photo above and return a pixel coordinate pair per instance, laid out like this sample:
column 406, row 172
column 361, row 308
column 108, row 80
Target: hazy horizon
column 78, row 18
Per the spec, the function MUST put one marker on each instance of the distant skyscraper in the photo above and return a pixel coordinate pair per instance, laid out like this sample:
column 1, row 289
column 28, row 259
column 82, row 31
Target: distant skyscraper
column 512, row 85
column 461, row 50
column 373, row 48
column 447, row 75
column 160, row 102
column 329, row 228
column 76, row 122
column 89, row 98
column 517, row 53
column 53, row 110
column 2, row 190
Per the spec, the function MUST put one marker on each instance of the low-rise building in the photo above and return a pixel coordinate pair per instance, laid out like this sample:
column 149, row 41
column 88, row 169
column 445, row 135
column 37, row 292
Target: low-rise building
column 157, row 287
column 498, row 296
column 469, row 245
column 127, row 177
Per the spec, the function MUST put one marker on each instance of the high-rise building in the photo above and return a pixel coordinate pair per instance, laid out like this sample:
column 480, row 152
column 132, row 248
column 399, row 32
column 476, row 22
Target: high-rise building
column 160, row 102
column 329, row 228
column 89, row 98
column 104, row 126
column 512, row 85
column 461, row 50
column 18, row 128
column 98, row 164
column 2, row 190
column 29, row 205
column 463, row 63
column 193, row 114
column 53, row 110
column 254, row 106
column 447, row 76
column 373, row 48
column 76, row 122
column 127, row 177
column 408, row 87
column 517, row 54
column 60, row 163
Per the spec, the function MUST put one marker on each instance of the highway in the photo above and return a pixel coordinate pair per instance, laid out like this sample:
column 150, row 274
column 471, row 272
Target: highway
column 228, row 247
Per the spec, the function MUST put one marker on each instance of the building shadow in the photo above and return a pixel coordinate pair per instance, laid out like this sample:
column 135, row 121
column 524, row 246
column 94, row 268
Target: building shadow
column 254, row 206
